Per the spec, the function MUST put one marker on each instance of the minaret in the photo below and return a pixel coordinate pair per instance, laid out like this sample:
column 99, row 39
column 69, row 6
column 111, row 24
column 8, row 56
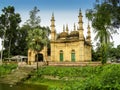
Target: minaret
column 88, row 38
column 67, row 28
column 53, row 31
column 80, row 23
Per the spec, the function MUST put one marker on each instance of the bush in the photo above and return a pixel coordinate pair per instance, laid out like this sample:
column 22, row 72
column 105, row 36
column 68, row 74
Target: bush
column 105, row 77
column 7, row 68
column 110, row 77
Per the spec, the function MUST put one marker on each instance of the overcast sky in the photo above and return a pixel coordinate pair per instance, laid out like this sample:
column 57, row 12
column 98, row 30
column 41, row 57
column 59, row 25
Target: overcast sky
column 65, row 12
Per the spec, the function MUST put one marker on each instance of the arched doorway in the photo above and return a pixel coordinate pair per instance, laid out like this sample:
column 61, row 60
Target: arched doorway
column 40, row 57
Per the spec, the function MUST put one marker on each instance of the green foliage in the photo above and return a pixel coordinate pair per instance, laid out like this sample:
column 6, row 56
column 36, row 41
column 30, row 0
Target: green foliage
column 96, row 55
column 103, row 50
column 102, row 19
column 15, row 36
column 37, row 36
column 36, row 39
column 112, row 53
column 110, row 77
column 106, row 79
column 63, row 71
column 6, row 68
column 21, row 41
column 34, row 20
column 80, row 78
column 114, row 9
column 9, row 23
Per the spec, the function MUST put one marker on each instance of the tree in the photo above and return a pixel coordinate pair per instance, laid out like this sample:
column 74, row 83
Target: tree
column 21, row 41
column 94, row 55
column 30, row 24
column 36, row 41
column 114, row 9
column 114, row 53
column 118, row 52
column 36, row 32
column 101, row 18
column 9, row 23
column 34, row 20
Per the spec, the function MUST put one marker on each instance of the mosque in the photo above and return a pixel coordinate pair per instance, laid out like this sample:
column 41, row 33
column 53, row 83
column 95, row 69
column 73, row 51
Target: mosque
column 68, row 46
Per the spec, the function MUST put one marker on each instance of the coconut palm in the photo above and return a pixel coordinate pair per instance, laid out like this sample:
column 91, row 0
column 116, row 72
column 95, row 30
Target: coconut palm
column 36, row 40
column 101, row 22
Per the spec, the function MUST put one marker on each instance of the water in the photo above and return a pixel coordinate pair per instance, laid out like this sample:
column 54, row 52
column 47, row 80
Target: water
column 22, row 87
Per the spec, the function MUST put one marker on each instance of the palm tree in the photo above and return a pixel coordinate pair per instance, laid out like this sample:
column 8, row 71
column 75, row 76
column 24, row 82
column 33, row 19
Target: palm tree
column 36, row 40
column 100, row 18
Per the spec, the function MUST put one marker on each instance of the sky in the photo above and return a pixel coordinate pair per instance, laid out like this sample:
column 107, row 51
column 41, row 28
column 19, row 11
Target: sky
column 65, row 12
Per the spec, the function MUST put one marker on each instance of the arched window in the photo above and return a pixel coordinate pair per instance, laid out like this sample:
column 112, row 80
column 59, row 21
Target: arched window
column 73, row 55
column 61, row 55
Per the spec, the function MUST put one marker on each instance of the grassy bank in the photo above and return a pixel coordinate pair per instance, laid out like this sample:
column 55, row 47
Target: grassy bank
column 6, row 69
column 78, row 78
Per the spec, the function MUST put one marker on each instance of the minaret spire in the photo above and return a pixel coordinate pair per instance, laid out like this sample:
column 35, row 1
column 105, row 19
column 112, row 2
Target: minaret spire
column 53, row 14
column 79, row 10
column 52, row 22
column 88, row 38
column 80, row 23
column 53, row 32
column 67, row 28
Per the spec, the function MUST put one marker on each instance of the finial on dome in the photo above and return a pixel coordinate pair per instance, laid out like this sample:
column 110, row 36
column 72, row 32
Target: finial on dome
column 53, row 14
column 52, row 18
column 67, row 27
column 80, row 10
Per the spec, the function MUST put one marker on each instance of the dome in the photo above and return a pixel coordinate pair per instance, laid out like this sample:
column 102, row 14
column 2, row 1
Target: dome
column 74, row 34
column 63, row 35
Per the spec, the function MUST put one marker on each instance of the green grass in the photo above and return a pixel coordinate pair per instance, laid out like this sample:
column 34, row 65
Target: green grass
column 66, row 71
column 104, row 77
column 7, row 68
column 46, row 82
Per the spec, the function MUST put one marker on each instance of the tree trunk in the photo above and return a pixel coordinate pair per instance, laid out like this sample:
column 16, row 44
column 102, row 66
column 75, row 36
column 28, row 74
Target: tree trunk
column 9, row 48
column 37, row 60
column 3, row 42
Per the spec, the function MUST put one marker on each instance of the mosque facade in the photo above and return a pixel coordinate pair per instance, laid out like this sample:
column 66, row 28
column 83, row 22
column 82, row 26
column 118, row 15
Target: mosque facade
column 68, row 46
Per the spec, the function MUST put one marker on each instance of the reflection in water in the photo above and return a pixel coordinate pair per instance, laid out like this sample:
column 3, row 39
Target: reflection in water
column 22, row 87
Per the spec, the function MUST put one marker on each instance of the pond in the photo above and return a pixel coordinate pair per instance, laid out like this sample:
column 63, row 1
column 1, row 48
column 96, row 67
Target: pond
column 22, row 87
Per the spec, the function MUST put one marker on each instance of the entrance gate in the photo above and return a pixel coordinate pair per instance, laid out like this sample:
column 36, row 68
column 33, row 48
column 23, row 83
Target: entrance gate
column 40, row 57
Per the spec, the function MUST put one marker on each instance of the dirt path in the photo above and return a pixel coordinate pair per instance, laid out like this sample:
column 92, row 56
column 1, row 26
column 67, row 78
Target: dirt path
column 17, row 75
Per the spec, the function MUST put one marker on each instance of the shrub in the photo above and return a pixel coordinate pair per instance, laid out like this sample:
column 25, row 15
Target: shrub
column 7, row 68
column 110, row 77
column 105, row 77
